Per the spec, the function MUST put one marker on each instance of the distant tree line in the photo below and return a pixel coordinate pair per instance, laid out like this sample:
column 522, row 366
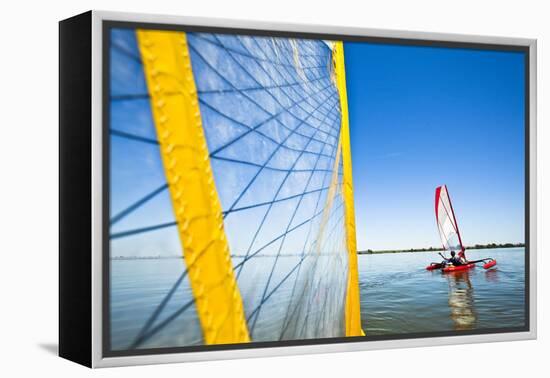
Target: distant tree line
column 495, row 245
column 431, row 249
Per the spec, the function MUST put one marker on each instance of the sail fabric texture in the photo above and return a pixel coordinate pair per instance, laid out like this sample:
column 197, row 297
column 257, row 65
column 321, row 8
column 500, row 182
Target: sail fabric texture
column 195, row 202
column 271, row 116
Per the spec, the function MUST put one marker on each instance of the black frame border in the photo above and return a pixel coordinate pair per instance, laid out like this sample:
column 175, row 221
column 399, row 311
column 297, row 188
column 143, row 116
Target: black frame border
column 108, row 25
column 75, row 189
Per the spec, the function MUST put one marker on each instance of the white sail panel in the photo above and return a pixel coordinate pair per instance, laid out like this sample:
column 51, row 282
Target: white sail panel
column 446, row 220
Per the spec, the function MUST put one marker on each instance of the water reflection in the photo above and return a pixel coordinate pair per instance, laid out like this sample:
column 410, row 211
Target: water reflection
column 491, row 275
column 461, row 301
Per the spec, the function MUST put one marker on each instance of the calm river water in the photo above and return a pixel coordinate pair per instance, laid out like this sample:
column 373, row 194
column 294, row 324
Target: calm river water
column 397, row 296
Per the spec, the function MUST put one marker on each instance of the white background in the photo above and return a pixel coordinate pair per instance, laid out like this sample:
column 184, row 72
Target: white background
column 29, row 189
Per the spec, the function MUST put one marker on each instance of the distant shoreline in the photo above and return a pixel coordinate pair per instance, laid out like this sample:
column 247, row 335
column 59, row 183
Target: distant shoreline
column 367, row 252
column 433, row 249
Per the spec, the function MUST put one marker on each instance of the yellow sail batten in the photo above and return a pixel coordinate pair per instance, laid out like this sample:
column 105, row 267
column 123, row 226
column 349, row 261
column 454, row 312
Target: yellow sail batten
column 353, row 303
column 331, row 194
column 196, row 205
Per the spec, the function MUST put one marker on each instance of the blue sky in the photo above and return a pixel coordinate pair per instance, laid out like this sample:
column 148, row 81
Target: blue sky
column 421, row 117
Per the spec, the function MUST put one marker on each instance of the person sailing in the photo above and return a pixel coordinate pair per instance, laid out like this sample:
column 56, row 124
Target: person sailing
column 457, row 260
column 454, row 260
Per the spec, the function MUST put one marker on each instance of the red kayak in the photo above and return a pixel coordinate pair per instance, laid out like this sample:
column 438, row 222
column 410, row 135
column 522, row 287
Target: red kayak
column 490, row 264
column 457, row 268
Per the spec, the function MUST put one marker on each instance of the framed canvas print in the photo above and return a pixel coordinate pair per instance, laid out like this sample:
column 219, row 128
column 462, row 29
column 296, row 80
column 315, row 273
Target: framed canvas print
column 233, row 189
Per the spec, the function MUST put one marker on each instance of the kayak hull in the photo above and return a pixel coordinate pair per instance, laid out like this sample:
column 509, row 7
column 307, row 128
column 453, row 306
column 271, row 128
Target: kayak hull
column 458, row 268
column 433, row 266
